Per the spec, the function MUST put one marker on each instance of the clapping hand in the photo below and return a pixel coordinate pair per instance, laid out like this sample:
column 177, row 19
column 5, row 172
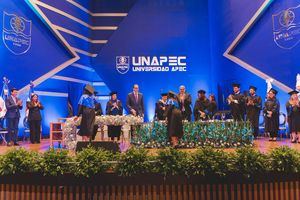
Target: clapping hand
column 20, row 102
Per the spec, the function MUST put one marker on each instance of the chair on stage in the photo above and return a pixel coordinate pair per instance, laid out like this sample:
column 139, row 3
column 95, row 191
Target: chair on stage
column 3, row 133
column 282, row 125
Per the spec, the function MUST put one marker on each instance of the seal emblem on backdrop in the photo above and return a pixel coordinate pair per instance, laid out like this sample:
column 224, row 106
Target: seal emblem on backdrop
column 16, row 33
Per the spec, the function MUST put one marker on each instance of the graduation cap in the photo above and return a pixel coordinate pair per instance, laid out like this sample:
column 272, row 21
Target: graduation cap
column 112, row 93
column 89, row 88
column 236, row 85
column 164, row 94
column 201, row 91
column 253, row 87
column 172, row 94
column 293, row 92
column 273, row 91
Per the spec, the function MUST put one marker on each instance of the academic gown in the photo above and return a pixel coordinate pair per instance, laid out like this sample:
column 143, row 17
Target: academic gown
column 114, row 131
column 87, row 111
column 160, row 109
column 253, row 111
column 238, row 107
column 212, row 109
column 271, row 123
column 174, row 120
column 201, row 105
column 293, row 113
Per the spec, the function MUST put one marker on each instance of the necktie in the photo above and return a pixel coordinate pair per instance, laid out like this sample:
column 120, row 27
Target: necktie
column 136, row 97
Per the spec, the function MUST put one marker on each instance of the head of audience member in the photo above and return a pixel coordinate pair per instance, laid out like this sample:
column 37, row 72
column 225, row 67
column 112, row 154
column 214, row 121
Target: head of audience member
column 294, row 95
column 14, row 92
column 201, row 94
column 212, row 98
column 236, row 88
column 113, row 96
column 89, row 90
column 182, row 89
column 252, row 90
column 272, row 93
column 164, row 96
column 135, row 88
column 34, row 97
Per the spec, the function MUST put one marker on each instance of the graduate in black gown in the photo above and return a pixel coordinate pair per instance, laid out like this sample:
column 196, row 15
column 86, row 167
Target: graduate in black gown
column 98, row 112
column 174, row 119
column 293, row 112
column 212, row 106
column 87, row 112
column 185, row 102
column 236, row 101
column 161, row 107
column 253, row 108
column 271, row 113
column 201, row 106
column 114, row 107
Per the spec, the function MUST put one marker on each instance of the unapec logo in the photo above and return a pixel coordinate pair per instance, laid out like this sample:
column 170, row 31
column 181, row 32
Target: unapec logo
column 151, row 64
column 16, row 33
column 122, row 64
column 286, row 27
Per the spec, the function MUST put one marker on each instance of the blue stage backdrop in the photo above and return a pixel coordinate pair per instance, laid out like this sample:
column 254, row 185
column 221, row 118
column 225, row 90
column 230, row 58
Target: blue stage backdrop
column 167, row 35
column 160, row 45
column 29, row 50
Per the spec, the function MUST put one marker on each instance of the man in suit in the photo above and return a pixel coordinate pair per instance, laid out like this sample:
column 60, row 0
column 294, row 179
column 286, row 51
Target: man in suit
column 185, row 101
column 135, row 102
column 13, row 105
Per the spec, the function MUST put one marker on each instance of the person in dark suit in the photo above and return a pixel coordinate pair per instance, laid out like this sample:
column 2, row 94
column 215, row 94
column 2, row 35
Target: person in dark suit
column 161, row 107
column 34, row 107
column 185, row 102
column 13, row 105
column 135, row 102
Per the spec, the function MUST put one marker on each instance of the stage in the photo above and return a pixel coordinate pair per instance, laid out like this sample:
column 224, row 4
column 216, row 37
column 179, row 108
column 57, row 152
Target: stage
column 262, row 144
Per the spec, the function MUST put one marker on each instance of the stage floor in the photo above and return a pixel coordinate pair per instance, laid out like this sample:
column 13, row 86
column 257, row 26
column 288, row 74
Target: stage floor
column 262, row 144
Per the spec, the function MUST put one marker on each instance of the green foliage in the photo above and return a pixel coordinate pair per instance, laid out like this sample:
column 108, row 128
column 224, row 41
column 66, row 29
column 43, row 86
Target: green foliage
column 208, row 161
column 91, row 161
column 134, row 161
column 249, row 162
column 171, row 162
column 56, row 162
column 196, row 134
column 19, row 161
column 284, row 159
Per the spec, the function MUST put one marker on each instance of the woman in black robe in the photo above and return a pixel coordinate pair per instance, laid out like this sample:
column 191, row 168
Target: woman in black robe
column 114, row 107
column 86, row 110
column 174, row 119
column 212, row 106
column 293, row 112
column 271, row 113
